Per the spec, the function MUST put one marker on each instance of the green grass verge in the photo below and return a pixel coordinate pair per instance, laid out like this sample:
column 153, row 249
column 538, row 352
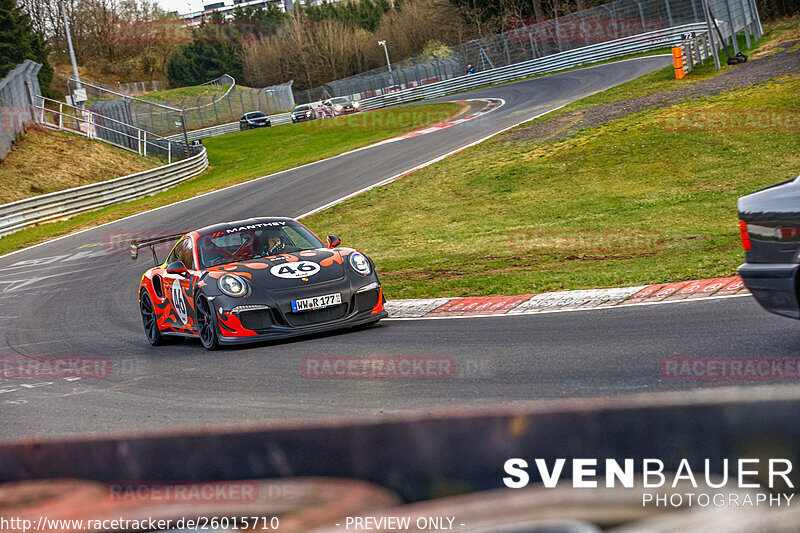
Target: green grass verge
column 645, row 198
column 242, row 156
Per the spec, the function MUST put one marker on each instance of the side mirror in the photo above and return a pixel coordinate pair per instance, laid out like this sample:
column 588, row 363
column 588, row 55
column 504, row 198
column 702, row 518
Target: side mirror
column 333, row 241
column 177, row 268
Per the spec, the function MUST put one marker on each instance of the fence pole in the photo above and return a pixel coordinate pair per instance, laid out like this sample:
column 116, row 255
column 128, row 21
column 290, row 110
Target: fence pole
column 756, row 20
column 669, row 13
column 731, row 28
column 711, row 34
column 743, row 3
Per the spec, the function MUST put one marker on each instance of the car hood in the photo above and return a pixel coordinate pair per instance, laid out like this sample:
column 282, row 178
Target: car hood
column 286, row 271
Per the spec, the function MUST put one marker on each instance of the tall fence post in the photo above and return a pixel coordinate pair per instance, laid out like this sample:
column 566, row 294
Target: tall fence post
column 731, row 27
column 710, row 31
column 743, row 4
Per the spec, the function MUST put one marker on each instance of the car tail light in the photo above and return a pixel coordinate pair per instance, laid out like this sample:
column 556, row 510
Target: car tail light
column 787, row 232
column 746, row 244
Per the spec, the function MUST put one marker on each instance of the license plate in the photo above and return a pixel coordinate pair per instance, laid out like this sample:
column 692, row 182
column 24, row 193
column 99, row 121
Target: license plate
column 317, row 302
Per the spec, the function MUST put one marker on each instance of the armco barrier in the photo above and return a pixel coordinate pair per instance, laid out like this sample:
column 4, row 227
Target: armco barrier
column 63, row 204
column 643, row 42
column 230, row 127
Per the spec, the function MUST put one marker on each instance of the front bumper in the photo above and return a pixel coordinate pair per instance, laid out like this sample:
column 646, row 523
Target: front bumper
column 774, row 286
column 276, row 320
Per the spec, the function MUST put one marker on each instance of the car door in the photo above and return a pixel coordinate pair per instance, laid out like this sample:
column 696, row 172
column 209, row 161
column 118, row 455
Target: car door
column 178, row 288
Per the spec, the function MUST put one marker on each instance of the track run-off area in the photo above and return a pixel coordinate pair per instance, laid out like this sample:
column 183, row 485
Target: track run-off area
column 74, row 297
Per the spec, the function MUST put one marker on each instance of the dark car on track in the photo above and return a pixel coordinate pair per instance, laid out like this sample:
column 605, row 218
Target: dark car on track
column 254, row 119
column 769, row 225
column 254, row 280
column 341, row 105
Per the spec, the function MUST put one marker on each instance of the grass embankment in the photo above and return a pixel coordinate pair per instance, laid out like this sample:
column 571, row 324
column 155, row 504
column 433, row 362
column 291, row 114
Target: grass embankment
column 242, row 156
column 188, row 92
column 650, row 197
column 44, row 161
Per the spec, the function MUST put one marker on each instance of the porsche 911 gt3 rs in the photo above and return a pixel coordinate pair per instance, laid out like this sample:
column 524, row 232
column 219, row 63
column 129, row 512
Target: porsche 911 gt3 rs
column 255, row 280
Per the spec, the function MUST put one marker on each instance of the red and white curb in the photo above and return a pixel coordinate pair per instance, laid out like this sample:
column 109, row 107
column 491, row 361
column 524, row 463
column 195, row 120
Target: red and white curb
column 565, row 300
column 491, row 105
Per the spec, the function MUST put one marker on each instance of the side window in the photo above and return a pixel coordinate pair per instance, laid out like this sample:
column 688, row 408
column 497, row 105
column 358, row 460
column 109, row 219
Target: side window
column 185, row 254
column 182, row 252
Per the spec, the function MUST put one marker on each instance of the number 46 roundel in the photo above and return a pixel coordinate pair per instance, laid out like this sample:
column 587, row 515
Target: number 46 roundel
column 296, row 270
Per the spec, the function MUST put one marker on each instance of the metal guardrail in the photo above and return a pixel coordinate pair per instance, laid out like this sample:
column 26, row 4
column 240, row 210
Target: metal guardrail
column 222, row 129
column 64, row 117
column 63, row 204
column 643, row 42
column 695, row 50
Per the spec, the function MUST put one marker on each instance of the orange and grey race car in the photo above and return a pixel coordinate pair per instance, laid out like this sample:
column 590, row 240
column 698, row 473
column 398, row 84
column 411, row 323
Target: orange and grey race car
column 255, row 280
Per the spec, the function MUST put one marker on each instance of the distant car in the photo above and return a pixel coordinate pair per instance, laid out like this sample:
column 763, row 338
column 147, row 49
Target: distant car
column 254, row 280
column 341, row 105
column 306, row 112
column 769, row 225
column 254, row 119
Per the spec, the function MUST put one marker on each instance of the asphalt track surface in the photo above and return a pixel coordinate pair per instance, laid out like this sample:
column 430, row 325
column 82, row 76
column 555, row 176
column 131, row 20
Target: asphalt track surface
column 70, row 297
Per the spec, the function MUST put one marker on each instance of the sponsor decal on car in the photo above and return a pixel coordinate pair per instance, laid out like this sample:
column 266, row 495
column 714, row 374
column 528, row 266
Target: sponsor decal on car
column 248, row 227
column 295, row 270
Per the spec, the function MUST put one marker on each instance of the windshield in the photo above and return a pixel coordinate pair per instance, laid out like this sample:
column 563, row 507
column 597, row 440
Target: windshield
column 258, row 114
column 340, row 100
column 301, row 108
column 252, row 242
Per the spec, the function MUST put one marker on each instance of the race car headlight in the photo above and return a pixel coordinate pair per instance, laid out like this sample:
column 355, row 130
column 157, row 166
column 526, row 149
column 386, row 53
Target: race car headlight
column 360, row 263
column 356, row 104
column 232, row 285
column 338, row 107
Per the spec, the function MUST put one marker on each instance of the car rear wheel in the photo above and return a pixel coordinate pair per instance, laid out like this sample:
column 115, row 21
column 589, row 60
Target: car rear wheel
column 206, row 324
column 149, row 320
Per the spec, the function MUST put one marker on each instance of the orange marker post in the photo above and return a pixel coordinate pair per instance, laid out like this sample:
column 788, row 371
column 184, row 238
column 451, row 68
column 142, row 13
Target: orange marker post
column 677, row 62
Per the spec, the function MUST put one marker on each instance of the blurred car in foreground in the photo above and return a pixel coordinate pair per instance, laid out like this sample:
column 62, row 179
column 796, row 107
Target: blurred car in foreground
column 769, row 226
column 254, row 119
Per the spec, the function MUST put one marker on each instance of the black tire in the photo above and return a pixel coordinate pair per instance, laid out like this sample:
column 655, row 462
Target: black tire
column 149, row 322
column 206, row 325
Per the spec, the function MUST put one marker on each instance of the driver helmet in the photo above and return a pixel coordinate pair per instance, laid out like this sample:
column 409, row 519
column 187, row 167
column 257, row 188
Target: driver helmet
column 272, row 242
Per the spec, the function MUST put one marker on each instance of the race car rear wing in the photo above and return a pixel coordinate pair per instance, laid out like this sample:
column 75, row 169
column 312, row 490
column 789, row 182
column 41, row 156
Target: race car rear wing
column 136, row 245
